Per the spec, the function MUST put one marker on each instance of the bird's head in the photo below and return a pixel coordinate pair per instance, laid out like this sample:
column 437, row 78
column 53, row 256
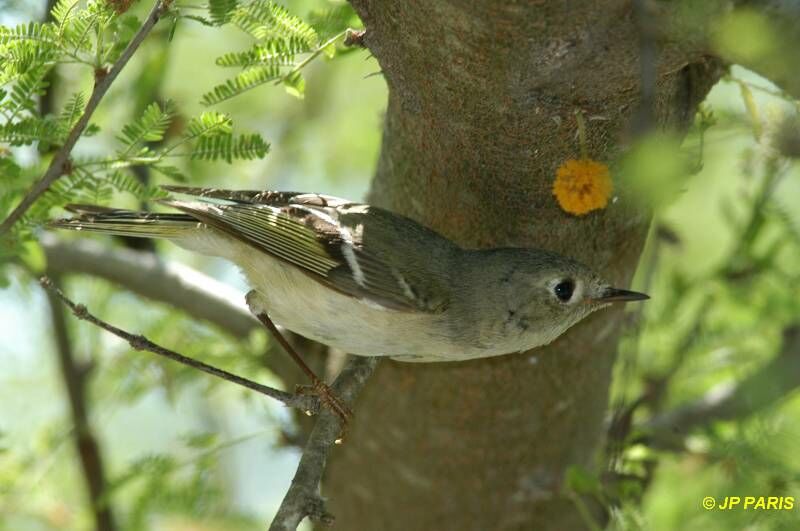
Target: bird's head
column 543, row 294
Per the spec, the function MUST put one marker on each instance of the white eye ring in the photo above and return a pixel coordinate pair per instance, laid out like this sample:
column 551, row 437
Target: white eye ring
column 566, row 290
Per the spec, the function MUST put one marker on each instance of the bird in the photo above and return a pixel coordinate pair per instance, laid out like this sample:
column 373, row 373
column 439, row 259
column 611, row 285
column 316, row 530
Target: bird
column 368, row 281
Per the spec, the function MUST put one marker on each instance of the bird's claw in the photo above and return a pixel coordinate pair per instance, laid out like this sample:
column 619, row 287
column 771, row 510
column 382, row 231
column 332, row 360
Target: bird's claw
column 329, row 400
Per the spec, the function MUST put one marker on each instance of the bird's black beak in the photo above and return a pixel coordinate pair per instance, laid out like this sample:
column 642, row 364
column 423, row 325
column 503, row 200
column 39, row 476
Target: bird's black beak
column 621, row 295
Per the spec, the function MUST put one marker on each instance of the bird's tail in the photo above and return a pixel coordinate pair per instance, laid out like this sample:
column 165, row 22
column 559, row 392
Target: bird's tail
column 127, row 222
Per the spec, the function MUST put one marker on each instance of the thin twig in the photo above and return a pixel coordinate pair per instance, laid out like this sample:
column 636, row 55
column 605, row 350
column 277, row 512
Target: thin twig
column 191, row 291
column 303, row 498
column 302, row 64
column 201, row 296
column 74, row 375
column 303, row 402
column 59, row 166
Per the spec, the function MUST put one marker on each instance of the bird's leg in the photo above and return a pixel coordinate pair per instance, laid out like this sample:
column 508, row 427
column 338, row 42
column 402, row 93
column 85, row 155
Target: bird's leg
column 318, row 387
column 326, row 395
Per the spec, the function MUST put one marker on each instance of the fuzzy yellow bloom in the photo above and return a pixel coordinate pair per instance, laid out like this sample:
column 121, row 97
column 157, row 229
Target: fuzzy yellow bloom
column 582, row 186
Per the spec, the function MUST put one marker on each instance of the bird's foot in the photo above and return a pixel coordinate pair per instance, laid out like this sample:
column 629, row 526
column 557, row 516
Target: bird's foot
column 328, row 399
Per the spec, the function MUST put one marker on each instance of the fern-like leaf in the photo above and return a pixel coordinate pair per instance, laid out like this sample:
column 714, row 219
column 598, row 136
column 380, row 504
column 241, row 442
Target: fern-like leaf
column 149, row 128
column 277, row 51
column 71, row 113
column 77, row 31
column 23, row 94
column 170, row 171
column 249, row 147
column 221, row 11
column 290, row 25
column 213, row 148
column 25, row 47
column 63, row 11
column 123, row 182
column 262, row 19
column 243, row 82
column 77, row 187
column 227, row 148
column 29, row 131
column 32, row 31
column 333, row 20
column 209, row 123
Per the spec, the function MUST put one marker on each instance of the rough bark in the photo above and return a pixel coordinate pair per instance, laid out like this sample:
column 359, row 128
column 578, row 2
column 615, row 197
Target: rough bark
column 480, row 114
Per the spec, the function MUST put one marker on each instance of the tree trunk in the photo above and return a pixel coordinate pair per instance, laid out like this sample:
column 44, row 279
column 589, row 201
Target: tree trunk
column 481, row 107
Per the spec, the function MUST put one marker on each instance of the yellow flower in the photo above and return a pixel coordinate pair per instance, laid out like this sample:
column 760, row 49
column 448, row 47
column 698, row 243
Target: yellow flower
column 582, row 186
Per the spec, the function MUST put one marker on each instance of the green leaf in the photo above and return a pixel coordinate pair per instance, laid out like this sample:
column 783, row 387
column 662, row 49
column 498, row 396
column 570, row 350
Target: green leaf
column 30, row 131
column 209, row 123
column 91, row 130
column 277, row 51
column 169, row 171
column 79, row 186
column 71, row 113
column 225, row 147
column 220, row 11
column 79, row 31
column 121, row 31
column 172, row 28
column 295, row 85
column 243, row 82
column 213, row 148
column 18, row 56
column 149, row 128
column 330, row 50
column 32, row 31
column 24, row 93
column 63, row 11
column 249, row 147
column 333, row 20
column 123, row 182
column 262, row 19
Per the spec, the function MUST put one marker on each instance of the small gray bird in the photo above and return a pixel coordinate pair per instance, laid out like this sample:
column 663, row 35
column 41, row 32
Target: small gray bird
column 370, row 282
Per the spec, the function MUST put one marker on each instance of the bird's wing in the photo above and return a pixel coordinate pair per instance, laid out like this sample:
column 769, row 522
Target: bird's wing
column 261, row 197
column 339, row 243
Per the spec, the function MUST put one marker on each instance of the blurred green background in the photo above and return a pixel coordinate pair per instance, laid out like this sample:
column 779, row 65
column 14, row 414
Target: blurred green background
column 185, row 452
column 183, row 447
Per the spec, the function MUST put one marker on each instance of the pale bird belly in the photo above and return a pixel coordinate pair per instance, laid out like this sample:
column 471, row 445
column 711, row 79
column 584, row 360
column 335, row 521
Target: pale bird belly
column 296, row 301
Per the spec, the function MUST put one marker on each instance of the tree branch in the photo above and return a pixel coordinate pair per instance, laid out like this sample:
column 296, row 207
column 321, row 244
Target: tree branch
column 730, row 400
column 138, row 342
column 303, row 498
column 74, row 376
column 175, row 284
column 189, row 290
column 59, row 166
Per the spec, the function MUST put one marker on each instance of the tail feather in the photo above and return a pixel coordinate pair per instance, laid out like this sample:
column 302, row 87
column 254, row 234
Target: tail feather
column 121, row 222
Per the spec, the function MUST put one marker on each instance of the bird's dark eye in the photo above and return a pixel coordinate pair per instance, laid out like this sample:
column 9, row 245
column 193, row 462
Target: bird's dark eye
column 564, row 289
